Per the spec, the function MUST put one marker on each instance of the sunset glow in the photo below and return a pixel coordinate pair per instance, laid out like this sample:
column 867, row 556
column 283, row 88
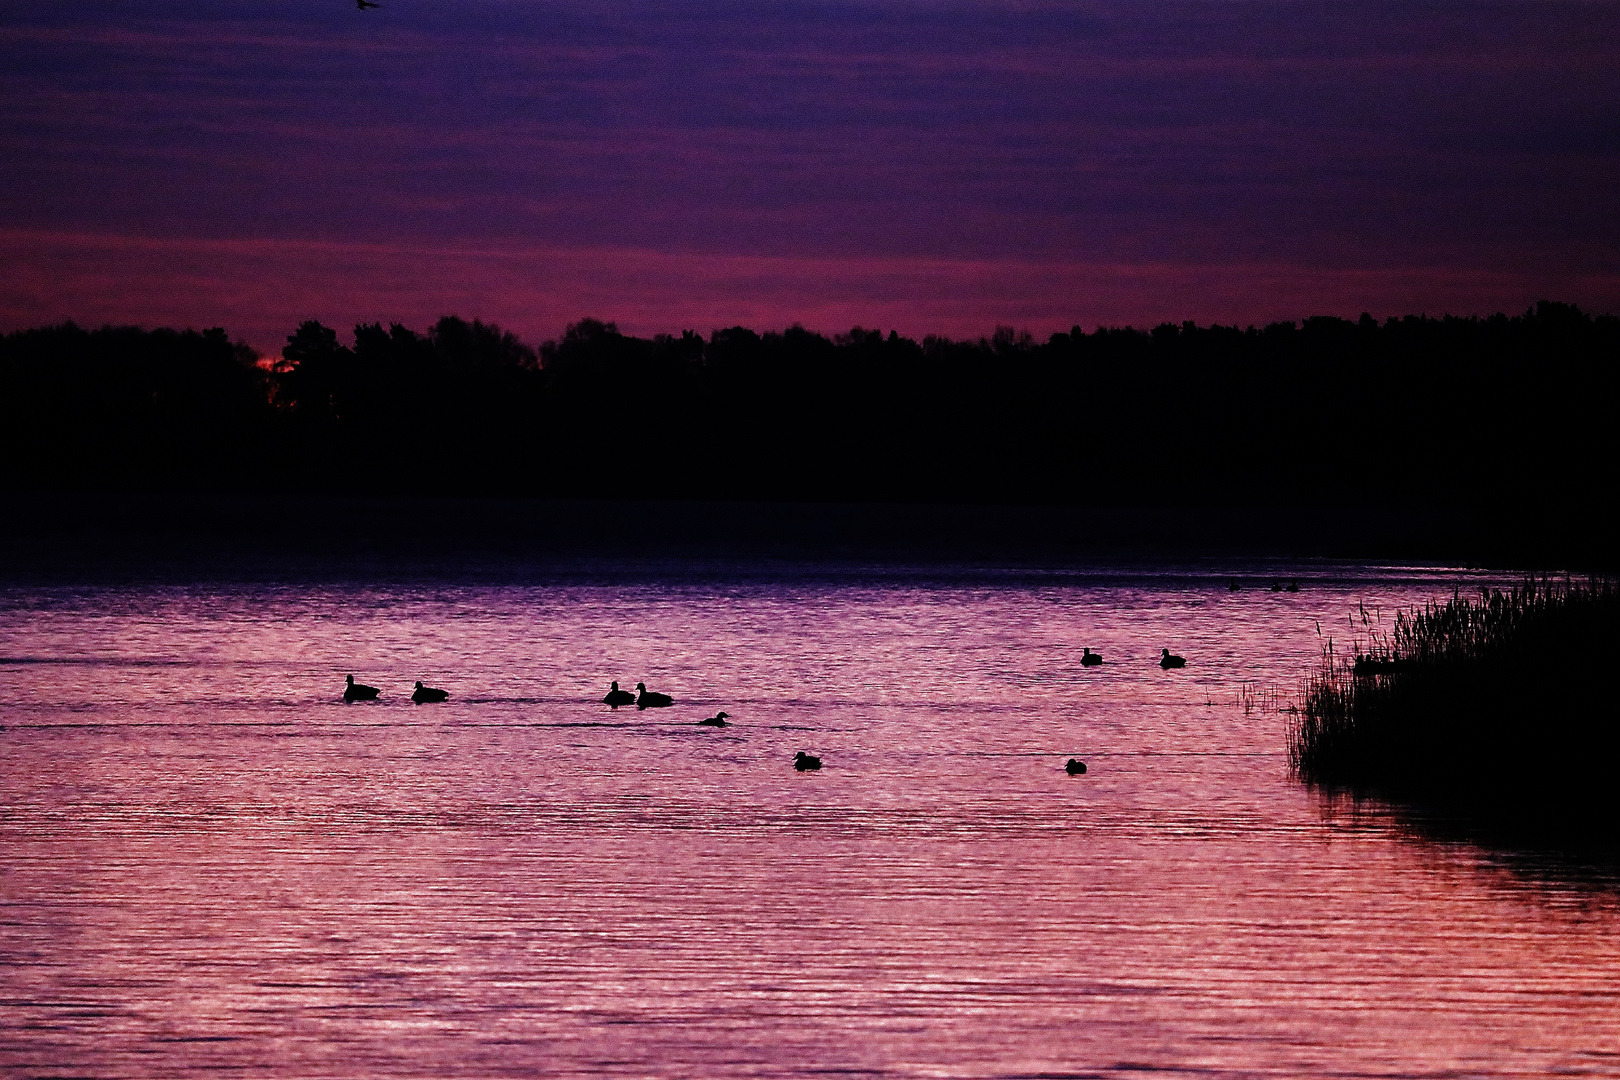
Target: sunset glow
column 938, row 169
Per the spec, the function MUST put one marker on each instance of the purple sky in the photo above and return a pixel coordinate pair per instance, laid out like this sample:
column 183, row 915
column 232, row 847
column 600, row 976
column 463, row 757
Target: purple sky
column 929, row 167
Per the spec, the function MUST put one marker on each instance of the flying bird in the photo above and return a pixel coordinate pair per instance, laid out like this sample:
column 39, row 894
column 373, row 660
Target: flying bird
column 363, row 4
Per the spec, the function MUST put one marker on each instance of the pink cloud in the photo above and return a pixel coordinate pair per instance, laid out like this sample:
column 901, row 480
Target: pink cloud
column 261, row 289
column 931, row 168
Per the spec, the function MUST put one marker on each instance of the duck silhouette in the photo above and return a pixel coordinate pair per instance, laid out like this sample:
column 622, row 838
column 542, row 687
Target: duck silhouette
column 1089, row 658
column 424, row 695
column 717, row 720
column 1293, row 586
column 1168, row 661
column 1233, row 586
column 1075, row 767
column 359, row 691
column 616, row 697
column 646, row 699
column 805, row 762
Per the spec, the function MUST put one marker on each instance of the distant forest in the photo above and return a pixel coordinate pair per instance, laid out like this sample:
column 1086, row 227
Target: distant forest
column 1408, row 411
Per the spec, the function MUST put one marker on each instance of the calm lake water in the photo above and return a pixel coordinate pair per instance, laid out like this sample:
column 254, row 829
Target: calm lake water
column 209, row 863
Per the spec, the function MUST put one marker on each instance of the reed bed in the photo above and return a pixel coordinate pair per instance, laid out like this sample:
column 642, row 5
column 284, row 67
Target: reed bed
column 1508, row 697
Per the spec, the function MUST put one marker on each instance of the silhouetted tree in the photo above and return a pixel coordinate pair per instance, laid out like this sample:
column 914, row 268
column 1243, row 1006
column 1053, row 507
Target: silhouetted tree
column 122, row 405
column 1413, row 410
column 315, row 371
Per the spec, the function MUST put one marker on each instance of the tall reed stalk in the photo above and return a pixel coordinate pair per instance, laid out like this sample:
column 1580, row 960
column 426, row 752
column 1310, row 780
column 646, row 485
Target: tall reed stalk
column 1509, row 697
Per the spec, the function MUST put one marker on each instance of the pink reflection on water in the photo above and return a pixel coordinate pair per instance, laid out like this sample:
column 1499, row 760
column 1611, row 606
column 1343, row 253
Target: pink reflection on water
column 210, row 862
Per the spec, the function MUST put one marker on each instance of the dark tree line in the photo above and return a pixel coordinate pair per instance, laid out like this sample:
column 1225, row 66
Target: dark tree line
column 1408, row 411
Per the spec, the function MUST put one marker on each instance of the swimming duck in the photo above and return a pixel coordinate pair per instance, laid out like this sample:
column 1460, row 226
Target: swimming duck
column 423, row 695
column 1075, row 767
column 359, row 691
column 1293, row 586
column 1089, row 658
column 616, row 697
column 1233, row 586
column 803, row 761
column 717, row 720
column 646, row 699
column 1168, row 661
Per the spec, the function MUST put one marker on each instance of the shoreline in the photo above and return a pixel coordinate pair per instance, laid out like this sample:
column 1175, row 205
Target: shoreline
column 53, row 532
